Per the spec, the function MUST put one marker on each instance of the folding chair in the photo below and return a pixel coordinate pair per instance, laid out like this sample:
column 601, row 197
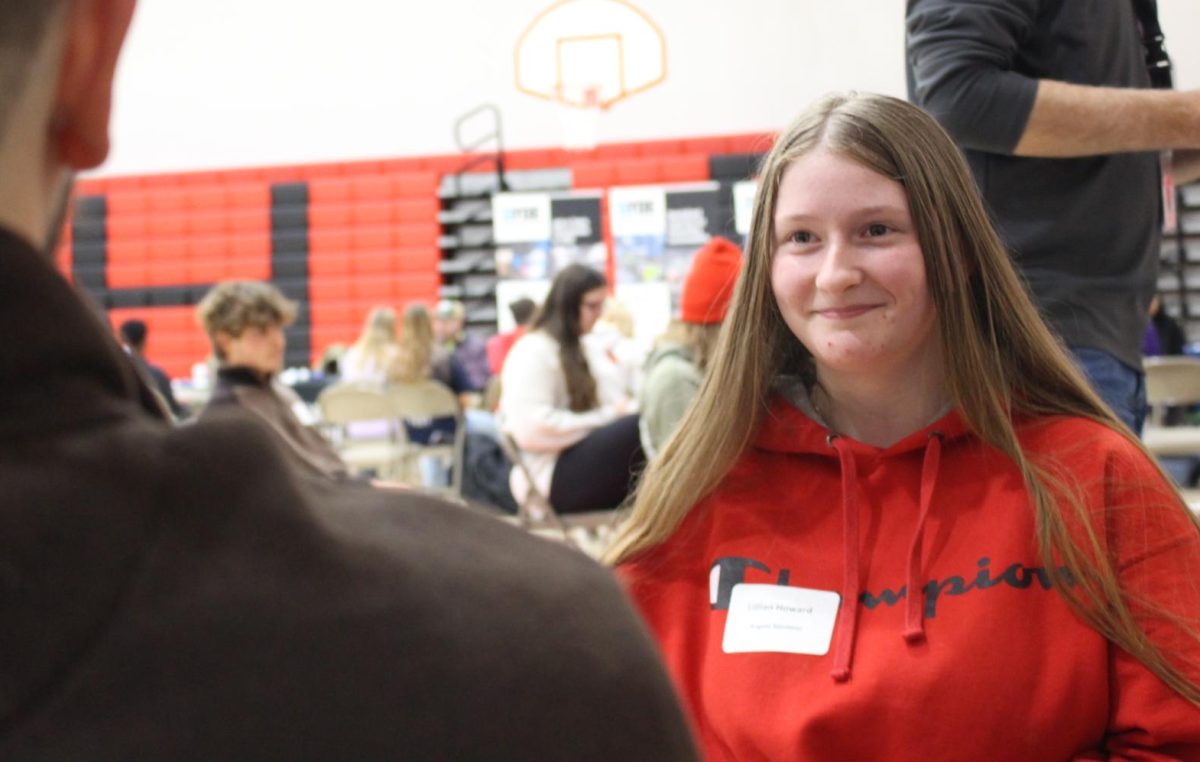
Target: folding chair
column 1171, row 381
column 1174, row 381
column 377, row 446
column 589, row 532
column 421, row 401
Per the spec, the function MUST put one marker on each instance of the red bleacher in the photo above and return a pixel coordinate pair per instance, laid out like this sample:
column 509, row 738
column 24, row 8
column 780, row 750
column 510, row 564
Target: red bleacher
column 174, row 340
column 372, row 228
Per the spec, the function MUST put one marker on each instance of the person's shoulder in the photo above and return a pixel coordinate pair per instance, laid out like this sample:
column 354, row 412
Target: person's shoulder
column 156, row 372
column 672, row 362
column 532, row 347
column 1056, row 432
column 473, row 343
column 231, row 457
column 1086, row 447
column 376, row 596
column 535, row 340
column 416, row 549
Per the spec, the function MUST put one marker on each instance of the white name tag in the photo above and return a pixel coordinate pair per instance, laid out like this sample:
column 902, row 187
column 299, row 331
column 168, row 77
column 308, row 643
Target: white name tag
column 780, row 619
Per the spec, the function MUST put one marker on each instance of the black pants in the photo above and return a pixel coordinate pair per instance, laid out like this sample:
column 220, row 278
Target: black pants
column 598, row 472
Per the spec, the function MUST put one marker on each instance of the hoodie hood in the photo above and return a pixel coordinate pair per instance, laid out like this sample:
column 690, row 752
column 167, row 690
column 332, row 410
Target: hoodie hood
column 793, row 426
column 660, row 353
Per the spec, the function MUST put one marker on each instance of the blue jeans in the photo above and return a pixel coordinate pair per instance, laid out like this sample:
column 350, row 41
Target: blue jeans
column 1120, row 386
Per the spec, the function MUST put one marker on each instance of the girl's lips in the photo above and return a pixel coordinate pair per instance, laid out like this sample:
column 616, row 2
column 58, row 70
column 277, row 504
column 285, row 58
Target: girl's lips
column 844, row 313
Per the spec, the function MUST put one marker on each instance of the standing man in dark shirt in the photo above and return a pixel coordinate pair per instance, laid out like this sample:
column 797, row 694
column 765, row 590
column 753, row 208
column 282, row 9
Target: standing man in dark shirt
column 179, row 593
column 133, row 334
column 1051, row 101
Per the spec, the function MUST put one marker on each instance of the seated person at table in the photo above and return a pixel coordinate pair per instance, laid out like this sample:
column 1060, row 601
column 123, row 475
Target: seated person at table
column 675, row 369
column 468, row 350
column 565, row 404
column 244, row 321
column 371, row 355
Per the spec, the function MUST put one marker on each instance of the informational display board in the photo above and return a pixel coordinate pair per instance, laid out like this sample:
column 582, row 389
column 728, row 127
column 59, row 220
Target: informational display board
column 656, row 229
column 537, row 234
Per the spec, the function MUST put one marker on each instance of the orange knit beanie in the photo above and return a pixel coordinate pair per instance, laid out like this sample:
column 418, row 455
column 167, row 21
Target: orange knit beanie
column 709, row 284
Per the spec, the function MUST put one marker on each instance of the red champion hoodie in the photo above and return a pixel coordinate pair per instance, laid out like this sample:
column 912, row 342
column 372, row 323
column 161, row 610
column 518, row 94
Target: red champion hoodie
column 987, row 662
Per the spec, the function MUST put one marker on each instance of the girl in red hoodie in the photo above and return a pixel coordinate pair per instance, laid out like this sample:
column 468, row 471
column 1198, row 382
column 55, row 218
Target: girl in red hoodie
column 896, row 523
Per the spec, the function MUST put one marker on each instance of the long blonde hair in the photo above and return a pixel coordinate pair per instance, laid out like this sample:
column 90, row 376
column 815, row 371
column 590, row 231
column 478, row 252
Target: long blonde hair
column 415, row 356
column 1000, row 357
column 700, row 339
column 375, row 348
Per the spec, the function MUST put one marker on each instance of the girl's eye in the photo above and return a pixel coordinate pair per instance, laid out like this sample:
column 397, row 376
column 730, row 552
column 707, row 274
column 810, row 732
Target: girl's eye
column 801, row 236
column 877, row 229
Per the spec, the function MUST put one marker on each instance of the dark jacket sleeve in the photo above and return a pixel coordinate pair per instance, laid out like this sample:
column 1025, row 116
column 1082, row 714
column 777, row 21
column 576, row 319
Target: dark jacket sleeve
column 961, row 57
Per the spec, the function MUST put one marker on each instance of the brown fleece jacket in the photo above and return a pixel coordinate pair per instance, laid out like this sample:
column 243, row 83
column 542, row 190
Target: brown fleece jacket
column 180, row 594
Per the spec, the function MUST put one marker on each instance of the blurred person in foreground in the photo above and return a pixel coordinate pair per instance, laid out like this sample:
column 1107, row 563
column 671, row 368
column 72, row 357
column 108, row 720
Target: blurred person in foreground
column 179, row 593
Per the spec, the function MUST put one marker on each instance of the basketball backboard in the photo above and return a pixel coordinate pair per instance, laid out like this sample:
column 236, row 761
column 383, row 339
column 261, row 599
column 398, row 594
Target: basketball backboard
column 590, row 54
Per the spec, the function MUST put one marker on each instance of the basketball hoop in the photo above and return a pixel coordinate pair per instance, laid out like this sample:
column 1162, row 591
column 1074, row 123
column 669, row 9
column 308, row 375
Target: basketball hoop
column 580, row 122
column 586, row 55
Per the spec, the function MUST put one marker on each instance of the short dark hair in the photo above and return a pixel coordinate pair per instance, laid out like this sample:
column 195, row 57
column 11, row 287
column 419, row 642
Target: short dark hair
column 522, row 310
column 23, row 26
column 133, row 333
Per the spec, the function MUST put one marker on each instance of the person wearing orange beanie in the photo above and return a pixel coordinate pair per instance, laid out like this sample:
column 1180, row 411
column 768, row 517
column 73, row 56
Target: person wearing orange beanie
column 675, row 368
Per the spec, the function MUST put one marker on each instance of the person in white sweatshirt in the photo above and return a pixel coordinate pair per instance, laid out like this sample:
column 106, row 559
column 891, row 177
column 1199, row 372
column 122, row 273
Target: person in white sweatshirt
column 564, row 402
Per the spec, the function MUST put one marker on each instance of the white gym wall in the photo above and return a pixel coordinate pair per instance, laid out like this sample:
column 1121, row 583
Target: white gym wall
column 229, row 83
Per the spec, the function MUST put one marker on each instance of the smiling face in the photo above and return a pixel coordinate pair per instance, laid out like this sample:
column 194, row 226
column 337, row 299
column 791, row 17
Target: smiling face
column 848, row 274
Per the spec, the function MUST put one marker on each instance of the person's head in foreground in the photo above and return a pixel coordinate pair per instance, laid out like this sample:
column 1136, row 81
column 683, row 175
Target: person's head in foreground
column 878, row 305
column 244, row 320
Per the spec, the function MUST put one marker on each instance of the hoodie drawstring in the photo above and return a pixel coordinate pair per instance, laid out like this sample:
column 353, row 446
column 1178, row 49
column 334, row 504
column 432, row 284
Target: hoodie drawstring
column 847, row 622
column 914, row 619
